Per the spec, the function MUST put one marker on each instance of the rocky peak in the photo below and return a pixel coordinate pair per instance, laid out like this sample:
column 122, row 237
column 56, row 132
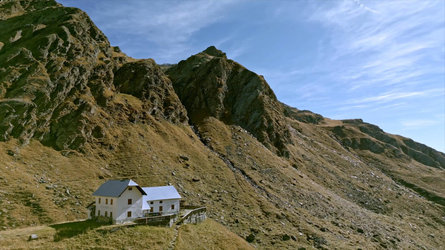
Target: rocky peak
column 213, row 51
column 345, row 183
column 145, row 80
column 57, row 76
column 218, row 87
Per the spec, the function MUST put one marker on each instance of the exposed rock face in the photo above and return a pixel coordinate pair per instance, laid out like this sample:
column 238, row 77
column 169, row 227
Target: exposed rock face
column 11, row 8
column 56, row 76
column 345, row 183
column 209, row 84
column 357, row 134
column 305, row 116
column 53, row 74
column 145, row 80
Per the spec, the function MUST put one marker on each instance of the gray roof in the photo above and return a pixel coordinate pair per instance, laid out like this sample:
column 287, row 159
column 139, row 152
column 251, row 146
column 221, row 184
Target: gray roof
column 161, row 193
column 114, row 188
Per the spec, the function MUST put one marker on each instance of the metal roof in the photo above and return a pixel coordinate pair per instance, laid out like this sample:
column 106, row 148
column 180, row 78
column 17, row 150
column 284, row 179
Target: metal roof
column 114, row 188
column 161, row 193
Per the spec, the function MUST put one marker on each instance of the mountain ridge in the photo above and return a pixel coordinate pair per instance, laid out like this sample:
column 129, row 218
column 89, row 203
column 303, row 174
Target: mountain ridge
column 75, row 111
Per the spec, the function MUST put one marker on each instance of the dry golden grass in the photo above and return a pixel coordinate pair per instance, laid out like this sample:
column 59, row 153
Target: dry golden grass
column 209, row 235
column 323, row 195
column 130, row 100
column 103, row 237
column 266, row 195
column 18, row 238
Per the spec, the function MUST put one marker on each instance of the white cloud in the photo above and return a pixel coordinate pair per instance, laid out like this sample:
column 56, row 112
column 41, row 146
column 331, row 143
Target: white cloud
column 385, row 42
column 395, row 95
column 166, row 21
column 167, row 24
column 392, row 96
column 418, row 123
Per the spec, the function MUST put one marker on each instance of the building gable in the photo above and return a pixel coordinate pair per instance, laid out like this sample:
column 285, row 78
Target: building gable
column 115, row 188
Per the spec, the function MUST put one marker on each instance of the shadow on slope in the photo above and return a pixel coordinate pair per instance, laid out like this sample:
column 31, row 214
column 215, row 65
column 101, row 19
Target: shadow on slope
column 71, row 229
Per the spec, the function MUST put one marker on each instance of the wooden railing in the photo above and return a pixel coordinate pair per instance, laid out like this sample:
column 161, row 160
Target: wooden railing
column 157, row 220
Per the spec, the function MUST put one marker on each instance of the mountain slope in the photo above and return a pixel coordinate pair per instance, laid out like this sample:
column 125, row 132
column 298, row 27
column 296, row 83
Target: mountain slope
column 53, row 74
column 75, row 111
column 347, row 157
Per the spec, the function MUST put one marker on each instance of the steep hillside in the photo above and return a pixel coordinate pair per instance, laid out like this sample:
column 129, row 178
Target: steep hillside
column 357, row 161
column 75, row 111
column 56, row 68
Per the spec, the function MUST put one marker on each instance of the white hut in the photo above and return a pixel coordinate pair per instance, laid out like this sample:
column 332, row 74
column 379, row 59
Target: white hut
column 125, row 200
column 163, row 200
column 121, row 200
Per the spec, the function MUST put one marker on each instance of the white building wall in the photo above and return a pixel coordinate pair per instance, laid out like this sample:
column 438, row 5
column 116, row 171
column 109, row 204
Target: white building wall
column 123, row 207
column 166, row 206
column 103, row 207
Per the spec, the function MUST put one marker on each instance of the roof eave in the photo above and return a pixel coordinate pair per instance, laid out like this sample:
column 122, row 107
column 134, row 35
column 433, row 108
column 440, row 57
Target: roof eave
column 106, row 196
column 142, row 190
column 138, row 187
column 163, row 199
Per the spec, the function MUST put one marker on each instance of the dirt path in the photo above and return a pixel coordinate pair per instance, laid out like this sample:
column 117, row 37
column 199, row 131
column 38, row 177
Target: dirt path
column 172, row 244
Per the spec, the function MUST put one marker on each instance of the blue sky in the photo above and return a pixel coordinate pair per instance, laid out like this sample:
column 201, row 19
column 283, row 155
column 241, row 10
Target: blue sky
column 382, row 61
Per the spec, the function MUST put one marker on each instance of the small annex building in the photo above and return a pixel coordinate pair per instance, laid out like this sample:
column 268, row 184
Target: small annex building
column 125, row 200
column 162, row 200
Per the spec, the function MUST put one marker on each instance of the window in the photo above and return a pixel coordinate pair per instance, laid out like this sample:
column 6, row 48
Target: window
column 106, row 201
column 151, row 202
column 130, row 201
column 151, row 210
column 99, row 200
column 98, row 212
column 160, row 201
column 111, row 201
column 129, row 214
column 106, row 213
column 160, row 208
column 111, row 214
column 173, row 206
column 130, row 188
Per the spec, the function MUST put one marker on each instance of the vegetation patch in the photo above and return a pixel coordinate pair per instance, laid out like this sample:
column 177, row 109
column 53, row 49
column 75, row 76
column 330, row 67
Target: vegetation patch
column 71, row 229
column 30, row 200
column 425, row 193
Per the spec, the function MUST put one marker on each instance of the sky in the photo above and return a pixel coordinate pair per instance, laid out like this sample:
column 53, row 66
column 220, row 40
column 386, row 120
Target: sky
column 381, row 61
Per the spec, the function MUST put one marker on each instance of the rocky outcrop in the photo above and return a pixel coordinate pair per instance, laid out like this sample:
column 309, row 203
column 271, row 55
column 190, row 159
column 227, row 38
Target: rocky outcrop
column 57, row 75
column 53, row 73
column 145, row 80
column 11, row 8
column 209, row 84
column 344, row 183
column 357, row 134
column 305, row 116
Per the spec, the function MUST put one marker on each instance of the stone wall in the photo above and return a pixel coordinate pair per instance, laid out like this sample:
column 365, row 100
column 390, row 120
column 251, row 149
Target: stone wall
column 195, row 216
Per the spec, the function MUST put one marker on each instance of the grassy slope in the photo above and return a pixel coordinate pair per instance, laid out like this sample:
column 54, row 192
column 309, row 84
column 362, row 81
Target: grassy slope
column 208, row 235
column 325, row 196
column 263, row 194
column 331, row 193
